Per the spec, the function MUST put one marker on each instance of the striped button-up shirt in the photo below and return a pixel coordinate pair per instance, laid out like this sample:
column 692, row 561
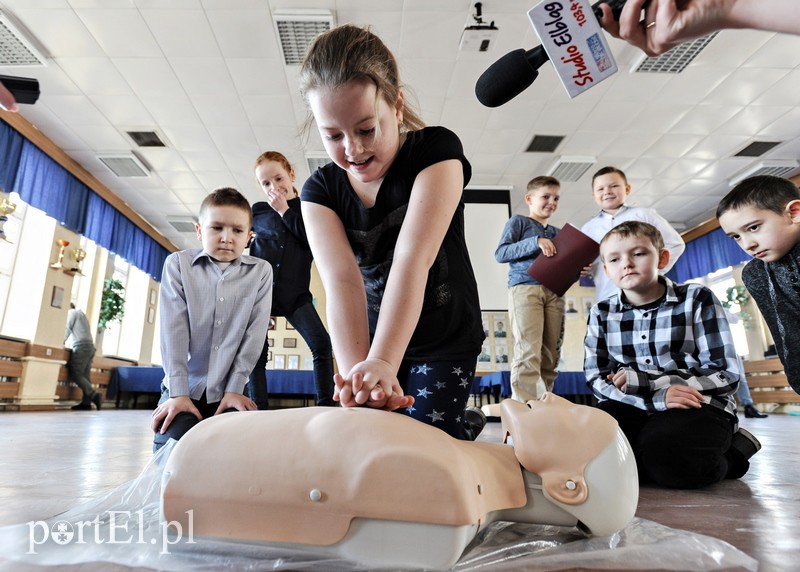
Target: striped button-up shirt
column 684, row 340
column 213, row 322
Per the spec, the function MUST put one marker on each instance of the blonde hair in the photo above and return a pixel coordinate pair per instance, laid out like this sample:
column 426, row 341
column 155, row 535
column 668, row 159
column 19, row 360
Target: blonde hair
column 279, row 158
column 354, row 54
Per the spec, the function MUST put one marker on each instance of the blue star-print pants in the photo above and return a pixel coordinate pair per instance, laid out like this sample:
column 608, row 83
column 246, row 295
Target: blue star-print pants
column 441, row 390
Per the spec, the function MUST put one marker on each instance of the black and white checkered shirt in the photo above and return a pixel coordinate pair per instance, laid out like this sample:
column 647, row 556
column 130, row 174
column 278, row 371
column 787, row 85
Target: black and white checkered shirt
column 684, row 339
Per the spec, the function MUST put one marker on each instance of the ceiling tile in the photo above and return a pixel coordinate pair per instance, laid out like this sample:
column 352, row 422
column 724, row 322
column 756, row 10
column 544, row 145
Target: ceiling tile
column 120, row 32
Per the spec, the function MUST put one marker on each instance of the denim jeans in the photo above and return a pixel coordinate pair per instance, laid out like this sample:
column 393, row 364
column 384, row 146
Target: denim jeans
column 309, row 325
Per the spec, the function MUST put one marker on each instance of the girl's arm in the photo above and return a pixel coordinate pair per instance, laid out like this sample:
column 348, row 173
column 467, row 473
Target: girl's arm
column 434, row 199
column 344, row 286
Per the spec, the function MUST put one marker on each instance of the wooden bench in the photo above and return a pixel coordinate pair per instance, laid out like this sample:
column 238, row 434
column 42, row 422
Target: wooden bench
column 11, row 353
column 102, row 368
column 768, row 382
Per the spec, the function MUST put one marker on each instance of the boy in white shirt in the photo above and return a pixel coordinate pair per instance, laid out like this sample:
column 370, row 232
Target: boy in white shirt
column 610, row 188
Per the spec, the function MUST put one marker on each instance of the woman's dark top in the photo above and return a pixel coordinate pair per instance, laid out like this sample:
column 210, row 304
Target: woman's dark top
column 282, row 242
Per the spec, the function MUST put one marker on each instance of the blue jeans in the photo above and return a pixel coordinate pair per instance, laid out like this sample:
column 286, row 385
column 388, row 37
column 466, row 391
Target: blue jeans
column 309, row 325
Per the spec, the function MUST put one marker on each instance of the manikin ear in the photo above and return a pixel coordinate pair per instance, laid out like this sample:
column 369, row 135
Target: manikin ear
column 663, row 259
column 793, row 210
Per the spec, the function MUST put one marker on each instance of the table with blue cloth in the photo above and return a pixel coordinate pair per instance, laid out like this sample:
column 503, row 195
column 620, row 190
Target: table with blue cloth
column 568, row 384
column 137, row 380
column 292, row 383
column 134, row 381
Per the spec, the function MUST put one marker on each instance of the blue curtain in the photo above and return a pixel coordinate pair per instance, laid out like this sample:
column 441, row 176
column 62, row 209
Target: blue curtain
column 10, row 152
column 111, row 229
column 707, row 254
column 46, row 185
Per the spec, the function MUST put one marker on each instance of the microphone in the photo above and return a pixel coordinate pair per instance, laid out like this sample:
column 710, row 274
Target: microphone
column 512, row 74
column 509, row 76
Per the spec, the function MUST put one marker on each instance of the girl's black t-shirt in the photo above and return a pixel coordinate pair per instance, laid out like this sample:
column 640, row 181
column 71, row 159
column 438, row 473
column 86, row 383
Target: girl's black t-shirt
column 449, row 327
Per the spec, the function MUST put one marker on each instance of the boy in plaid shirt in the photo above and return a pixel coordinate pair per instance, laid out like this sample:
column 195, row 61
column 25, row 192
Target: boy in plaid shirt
column 661, row 360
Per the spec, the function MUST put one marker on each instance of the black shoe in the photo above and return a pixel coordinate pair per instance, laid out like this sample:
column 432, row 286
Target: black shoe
column 97, row 399
column 475, row 421
column 752, row 413
column 82, row 407
column 746, row 443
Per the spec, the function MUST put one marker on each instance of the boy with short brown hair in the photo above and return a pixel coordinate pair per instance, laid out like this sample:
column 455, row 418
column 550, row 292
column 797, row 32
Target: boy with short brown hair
column 536, row 314
column 660, row 359
column 215, row 307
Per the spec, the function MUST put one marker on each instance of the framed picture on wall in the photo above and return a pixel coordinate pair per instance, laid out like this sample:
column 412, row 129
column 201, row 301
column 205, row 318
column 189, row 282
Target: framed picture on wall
column 152, row 296
column 280, row 361
column 270, row 342
column 308, row 362
column 151, row 315
column 587, row 302
column 294, row 362
column 501, row 356
column 485, row 320
column 57, row 298
column 290, row 342
column 289, row 326
column 500, row 325
column 570, row 305
column 484, row 358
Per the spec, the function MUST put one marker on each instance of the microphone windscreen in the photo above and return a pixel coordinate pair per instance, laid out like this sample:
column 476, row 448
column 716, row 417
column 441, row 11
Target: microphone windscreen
column 505, row 79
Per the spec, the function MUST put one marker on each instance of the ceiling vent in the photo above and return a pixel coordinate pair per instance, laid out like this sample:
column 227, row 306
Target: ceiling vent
column 125, row 166
column 146, row 138
column 184, row 225
column 544, row 143
column 757, row 148
column 15, row 48
column 783, row 169
column 571, row 169
column 314, row 162
column 297, row 29
column 675, row 60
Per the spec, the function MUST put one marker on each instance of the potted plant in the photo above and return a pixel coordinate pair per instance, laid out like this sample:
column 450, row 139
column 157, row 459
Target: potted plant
column 112, row 303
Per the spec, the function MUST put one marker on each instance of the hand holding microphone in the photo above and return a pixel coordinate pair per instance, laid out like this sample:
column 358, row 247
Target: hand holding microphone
column 514, row 72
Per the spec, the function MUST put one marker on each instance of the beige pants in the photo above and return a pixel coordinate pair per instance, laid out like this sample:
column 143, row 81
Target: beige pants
column 537, row 326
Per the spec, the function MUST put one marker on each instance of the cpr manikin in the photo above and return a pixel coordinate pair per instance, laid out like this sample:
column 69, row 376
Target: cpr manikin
column 385, row 490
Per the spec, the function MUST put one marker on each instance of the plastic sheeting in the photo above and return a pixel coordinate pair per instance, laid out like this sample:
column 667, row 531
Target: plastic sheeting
column 122, row 531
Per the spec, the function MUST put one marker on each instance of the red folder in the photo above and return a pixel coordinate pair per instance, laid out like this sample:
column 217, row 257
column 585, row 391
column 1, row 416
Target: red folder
column 574, row 251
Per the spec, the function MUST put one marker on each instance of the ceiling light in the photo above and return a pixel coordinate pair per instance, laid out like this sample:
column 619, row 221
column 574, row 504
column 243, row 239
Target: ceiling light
column 297, row 29
column 125, row 165
column 184, row 225
column 571, row 169
column 783, row 169
column 314, row 162
column 675, row 60
column 15, row 48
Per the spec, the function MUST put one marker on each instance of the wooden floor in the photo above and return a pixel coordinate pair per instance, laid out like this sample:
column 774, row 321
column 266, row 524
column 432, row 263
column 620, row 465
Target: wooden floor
column 53, row 460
